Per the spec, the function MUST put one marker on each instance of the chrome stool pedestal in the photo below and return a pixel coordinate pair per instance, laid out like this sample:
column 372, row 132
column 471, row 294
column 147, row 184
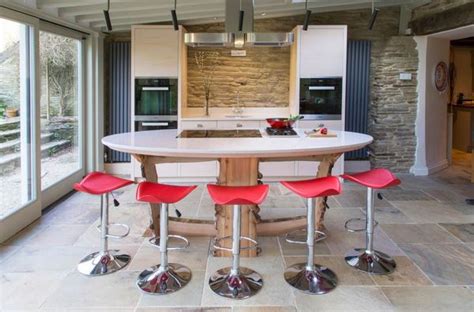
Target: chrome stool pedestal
column 367, row 259
column 309, row 277
column 166, row 277
column 236, row 282
column 105, row 261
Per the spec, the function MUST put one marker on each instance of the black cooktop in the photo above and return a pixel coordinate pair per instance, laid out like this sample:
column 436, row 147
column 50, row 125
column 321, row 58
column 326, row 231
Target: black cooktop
column 281, row 132
column 251, row 133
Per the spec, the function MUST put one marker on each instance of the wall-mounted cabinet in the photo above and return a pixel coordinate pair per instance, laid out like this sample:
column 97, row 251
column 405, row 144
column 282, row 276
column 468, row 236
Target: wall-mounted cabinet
column 322, row 51
column 155, row 51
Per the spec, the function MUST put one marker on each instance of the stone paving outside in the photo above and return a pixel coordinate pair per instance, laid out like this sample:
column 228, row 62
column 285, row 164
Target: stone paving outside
column 424, row 223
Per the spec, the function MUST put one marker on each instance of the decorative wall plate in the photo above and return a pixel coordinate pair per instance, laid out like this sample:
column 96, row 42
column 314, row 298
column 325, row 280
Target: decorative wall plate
column 441, row 76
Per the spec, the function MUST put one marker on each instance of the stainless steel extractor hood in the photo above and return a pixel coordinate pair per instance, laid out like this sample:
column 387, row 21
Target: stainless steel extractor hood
column 233, row 37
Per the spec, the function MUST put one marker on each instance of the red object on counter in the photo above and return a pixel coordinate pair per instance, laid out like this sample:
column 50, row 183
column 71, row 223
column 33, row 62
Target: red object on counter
column 280, row 123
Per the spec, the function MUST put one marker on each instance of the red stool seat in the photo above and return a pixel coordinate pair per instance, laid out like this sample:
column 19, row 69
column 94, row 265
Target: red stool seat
column 238, row 195
column 376, row 178
column 319, row 187
column 158, row 193
column 98, row 183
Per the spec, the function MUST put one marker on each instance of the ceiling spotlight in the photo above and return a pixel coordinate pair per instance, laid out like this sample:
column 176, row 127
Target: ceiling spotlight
column 107, row 17
column 307, row 16
column 241, row 17
column 174, row 17
column 375, row 11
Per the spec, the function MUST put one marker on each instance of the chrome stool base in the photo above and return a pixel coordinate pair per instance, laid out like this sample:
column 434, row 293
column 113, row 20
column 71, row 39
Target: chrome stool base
column 319, row 281
column 156, row 282
column 241, row 286
column 376, row 263
column 101, row 263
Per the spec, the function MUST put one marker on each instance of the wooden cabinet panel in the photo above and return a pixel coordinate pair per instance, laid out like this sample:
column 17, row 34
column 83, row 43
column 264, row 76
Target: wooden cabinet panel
column 322, row 51
column 155, row 51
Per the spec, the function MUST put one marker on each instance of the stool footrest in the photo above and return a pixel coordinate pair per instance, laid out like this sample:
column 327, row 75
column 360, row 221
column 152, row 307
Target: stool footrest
column 155, row 241
column 126, row 227
column 291, row 237
column 218, row 246
column 353, row 230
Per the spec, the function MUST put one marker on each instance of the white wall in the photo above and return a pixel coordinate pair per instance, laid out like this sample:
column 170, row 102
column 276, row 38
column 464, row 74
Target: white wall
column 431, row 123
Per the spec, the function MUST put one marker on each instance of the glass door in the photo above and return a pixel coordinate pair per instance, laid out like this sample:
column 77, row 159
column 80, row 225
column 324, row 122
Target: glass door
column 61, row 113
column 18, row 167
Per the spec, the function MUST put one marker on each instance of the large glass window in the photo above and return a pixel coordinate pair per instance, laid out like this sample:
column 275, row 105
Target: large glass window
column 61, row 103
column 16, row 149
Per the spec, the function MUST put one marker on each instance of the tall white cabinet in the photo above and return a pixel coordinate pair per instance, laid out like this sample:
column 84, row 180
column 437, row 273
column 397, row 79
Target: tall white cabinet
column 155, row 54
column 319, row 52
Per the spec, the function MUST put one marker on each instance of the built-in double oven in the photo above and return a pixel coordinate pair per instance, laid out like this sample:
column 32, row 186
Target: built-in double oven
column 321, row 98
column 156, row 104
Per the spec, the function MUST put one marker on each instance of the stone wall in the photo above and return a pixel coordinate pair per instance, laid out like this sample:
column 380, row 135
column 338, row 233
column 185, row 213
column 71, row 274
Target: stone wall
column 441, row 15
column 261, row 78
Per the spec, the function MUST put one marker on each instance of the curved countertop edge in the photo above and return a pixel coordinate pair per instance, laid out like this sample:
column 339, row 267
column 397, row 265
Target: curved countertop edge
column 217, row 154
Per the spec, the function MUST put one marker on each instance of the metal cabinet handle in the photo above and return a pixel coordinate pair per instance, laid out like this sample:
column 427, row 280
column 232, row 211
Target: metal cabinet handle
column 151, row 124
column 239, row 125
column 200, row 125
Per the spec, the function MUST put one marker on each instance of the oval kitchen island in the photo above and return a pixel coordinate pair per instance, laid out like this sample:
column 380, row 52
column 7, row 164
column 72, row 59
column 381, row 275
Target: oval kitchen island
column 239, row 153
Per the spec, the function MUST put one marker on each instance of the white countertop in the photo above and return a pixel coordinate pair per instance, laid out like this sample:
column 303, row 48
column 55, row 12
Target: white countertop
column 165, row 143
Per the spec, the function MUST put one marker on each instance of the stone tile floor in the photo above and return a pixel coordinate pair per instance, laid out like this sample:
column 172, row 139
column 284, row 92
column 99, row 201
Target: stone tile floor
column 424, row 223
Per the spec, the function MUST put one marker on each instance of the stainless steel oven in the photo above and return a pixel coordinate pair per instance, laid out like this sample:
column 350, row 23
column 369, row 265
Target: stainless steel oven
column 143, row 123
column 321, row 98
column 156, row 97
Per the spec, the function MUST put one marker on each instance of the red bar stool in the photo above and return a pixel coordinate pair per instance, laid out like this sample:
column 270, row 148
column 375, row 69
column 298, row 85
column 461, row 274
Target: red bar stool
column 309, row 277
column 367, row 259
column 104, row 261
column 165, row 277
column 236, row 282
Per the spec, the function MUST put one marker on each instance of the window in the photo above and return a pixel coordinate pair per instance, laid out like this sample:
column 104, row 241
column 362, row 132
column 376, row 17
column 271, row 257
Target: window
column 61, row 105
column 16, row 124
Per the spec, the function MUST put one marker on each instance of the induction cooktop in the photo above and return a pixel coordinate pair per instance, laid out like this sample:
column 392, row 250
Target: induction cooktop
column 250, row 133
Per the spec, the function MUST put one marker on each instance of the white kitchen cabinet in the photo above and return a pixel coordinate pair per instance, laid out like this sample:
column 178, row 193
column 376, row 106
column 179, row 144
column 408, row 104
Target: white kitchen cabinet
column 271, row 169
column 155, row 51
column 198, row 124
column 313, row 124
column 238, row 124
column 322, row 51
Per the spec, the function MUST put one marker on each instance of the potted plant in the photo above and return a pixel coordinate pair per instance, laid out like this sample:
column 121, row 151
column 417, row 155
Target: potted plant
column 11, row 112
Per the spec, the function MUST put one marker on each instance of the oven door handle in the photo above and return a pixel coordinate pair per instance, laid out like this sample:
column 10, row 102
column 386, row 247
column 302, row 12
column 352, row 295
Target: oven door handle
column 156, row 124
column 155, row 88
column 321, row 88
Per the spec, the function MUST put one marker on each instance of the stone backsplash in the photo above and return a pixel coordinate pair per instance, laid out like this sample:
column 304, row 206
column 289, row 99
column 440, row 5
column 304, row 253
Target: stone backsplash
column 261, row 78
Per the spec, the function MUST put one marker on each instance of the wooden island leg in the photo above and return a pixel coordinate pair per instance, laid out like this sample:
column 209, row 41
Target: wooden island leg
column 149, row 173
column 324, row 170
column 237, row 172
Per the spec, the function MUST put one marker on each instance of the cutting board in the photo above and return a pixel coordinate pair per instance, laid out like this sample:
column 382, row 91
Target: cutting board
column 319, row 135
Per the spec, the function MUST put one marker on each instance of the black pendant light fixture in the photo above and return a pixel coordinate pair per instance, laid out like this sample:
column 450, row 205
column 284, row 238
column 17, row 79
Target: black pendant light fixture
column 107, row 17
column 174, row 17
column 375, row 11
column 241, row 17
column 307, row 16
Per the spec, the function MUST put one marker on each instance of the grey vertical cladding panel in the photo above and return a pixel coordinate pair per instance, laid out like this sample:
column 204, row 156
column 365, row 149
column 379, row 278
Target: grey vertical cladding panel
column 119, row 94
column 357, row 91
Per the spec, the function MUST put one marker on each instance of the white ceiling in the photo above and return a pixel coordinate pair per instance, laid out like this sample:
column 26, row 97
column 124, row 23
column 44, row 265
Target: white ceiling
column 124, row 13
